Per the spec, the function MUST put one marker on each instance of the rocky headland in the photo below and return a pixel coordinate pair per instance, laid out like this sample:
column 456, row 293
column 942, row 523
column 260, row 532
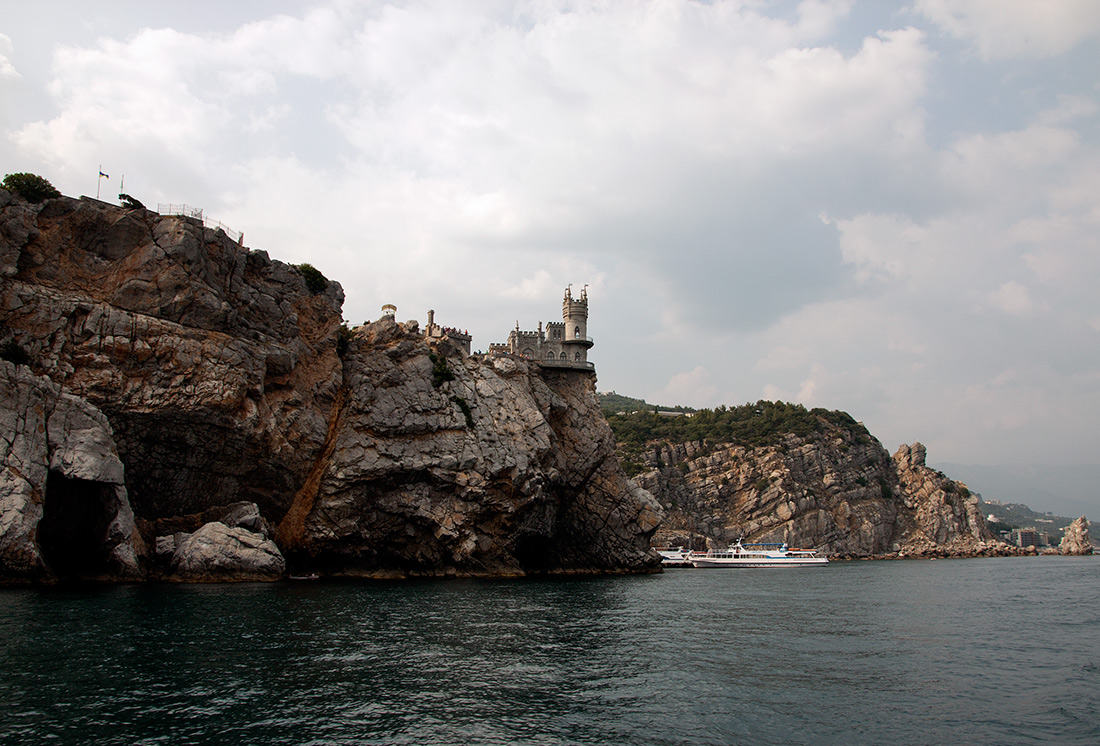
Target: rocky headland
column 177, row 406
column 1076, row 539
column 812, row 479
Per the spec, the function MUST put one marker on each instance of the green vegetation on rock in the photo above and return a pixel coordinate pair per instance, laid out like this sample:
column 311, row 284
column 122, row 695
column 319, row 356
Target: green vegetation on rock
column 465, row 407
column 343, row 339
column 612, row 403
column 761, row 424
column 441, row 372
column 315, row 281
column 30, row 187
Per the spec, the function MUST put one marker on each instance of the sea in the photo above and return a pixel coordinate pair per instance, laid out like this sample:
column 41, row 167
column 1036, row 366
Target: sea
column 974, row 651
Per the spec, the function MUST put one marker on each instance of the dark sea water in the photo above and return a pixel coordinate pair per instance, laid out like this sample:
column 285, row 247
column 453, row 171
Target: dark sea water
column 986, row 651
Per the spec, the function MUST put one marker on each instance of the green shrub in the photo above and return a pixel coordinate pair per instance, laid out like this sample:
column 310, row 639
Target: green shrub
column 30, row 187
column 343, row 339
column 315, row 281
column 441, row 372
column 465, row 410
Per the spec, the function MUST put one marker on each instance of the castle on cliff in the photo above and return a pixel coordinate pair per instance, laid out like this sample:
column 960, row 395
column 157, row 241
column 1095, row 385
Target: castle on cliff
column 561, row 344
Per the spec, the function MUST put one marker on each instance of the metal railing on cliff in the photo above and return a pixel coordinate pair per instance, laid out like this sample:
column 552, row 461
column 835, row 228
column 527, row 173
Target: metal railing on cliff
column 196, row 212
column 578, row 364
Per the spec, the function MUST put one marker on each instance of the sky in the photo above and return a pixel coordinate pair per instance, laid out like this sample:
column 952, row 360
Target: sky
column 888, row 208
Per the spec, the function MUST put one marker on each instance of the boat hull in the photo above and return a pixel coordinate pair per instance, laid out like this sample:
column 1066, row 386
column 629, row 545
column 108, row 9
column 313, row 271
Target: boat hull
column 748, row 562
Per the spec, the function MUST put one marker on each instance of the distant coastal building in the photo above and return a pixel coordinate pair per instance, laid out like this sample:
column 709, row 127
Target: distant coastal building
column 1026, row 537
column 561, row 344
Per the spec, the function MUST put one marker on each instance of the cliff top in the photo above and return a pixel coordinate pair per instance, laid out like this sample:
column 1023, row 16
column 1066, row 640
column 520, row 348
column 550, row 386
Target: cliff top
column 761, row 424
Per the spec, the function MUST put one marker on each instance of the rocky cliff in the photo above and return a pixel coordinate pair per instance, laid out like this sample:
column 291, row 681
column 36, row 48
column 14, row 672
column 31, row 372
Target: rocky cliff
column 214, row 376
column 832, row 486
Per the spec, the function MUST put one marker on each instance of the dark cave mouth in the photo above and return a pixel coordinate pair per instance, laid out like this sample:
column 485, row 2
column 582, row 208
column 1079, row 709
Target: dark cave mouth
column 533, row 553
column 72, row 534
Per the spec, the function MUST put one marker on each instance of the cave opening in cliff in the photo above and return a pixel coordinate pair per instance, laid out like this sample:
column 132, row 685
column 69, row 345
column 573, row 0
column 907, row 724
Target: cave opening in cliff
column 533, row 553
column 72, row 532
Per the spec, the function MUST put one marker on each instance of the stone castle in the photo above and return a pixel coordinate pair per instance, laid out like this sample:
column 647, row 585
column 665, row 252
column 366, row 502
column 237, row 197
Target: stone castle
column 561, row 344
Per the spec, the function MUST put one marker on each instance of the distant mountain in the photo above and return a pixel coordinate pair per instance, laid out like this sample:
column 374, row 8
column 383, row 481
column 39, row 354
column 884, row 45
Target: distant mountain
column 1065, row 490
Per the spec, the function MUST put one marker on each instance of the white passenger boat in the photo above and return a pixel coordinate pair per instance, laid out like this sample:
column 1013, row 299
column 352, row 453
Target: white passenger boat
column 758, row 555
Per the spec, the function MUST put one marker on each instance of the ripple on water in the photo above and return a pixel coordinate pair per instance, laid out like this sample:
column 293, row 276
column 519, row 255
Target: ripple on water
column 856, row 653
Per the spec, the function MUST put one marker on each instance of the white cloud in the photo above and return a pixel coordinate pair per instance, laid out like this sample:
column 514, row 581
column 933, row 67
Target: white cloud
column 689, row 388
column 539, row 287
column 783, row 357
column 1069, row 110
column 807, row 391
column 1012, row 298
column 7, row 70
column 674, row 155
column 1016, row 28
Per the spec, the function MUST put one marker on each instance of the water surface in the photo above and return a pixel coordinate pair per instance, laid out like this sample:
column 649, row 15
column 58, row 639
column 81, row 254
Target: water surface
column 998, row 651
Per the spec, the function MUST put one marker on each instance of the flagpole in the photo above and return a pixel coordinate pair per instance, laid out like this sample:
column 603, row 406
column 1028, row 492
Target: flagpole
column 98, row 180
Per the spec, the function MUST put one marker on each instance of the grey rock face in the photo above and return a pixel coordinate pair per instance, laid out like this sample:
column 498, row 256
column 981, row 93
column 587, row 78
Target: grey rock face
column 62, row 485
column 528, row 484
column 220, row 553
column 836, row 490
column 1076, row 538
column 218, row 373
column 192, row 347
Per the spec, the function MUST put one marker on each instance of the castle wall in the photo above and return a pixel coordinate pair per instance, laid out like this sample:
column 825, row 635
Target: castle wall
column 564, row 341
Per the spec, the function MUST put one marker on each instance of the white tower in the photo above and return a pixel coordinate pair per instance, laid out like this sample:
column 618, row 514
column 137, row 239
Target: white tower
column 574, row 313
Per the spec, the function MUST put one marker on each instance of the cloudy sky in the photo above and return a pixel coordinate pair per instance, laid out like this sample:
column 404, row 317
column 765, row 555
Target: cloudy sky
column 890, row 208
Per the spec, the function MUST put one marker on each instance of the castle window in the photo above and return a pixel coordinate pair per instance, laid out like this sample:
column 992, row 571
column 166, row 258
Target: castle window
column 563, row 356
column 576, row 356
column 576, row 332
column 527, row 352
column 550, row 355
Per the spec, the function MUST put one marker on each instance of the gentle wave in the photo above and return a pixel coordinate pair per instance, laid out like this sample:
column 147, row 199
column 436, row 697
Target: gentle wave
column 970, row 651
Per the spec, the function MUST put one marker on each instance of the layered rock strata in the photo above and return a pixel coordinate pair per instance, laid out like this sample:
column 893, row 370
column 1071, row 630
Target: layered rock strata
column 837, row 490
column 218, row 379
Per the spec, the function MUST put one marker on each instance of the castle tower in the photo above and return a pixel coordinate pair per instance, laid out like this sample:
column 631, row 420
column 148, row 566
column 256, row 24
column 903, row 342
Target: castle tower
column 574, row 314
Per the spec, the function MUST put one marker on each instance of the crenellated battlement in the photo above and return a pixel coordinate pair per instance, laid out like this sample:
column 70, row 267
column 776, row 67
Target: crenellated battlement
column 560, row 344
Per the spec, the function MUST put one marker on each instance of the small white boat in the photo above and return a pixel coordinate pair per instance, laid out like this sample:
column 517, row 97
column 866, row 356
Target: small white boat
column 758, row 555
column 675, row 556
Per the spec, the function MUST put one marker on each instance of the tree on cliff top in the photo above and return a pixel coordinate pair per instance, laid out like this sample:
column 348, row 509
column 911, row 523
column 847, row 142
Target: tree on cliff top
column 315, row 281
column 30, row 187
